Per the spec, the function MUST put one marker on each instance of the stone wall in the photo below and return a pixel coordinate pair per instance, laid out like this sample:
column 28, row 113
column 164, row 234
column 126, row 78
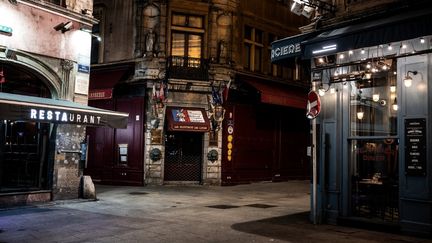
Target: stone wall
column 67, row 172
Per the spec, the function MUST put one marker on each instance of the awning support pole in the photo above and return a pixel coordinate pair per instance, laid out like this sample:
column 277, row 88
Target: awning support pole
column 314, row 168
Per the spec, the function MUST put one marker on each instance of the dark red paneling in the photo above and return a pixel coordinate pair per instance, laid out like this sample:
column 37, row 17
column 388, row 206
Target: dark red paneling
column 269, row 144
column 293, row 161
column 108, row 77
column 103, row 158
column 100, row 145
column 253, row 150
column 279, row 94
column 133, row 136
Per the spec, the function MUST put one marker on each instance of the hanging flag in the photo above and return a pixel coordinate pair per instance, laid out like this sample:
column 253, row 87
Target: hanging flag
column 216, row 96
column 154, row 92
column 225, row 92
column 161, row 92
column 2, row 77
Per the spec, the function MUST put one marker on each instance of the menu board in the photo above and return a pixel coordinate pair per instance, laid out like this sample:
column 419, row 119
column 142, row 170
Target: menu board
column 415, row 146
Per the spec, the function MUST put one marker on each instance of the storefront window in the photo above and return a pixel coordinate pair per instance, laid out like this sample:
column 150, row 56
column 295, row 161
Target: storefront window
column 374, row 106
column 374, row 144
column 23, row 152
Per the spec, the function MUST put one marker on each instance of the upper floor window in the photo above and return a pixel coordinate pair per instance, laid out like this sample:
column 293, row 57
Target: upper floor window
column 187, row 33
column 253, row 49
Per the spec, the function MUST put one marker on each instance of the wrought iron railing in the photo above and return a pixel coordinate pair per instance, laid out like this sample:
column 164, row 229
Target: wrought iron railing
column 188, row 68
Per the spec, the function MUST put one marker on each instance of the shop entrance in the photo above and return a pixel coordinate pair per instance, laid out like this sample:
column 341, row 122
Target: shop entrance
column 183, row 156
column 374, row 148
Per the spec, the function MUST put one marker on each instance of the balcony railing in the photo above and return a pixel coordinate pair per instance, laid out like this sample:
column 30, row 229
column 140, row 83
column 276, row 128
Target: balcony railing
column 188, row 68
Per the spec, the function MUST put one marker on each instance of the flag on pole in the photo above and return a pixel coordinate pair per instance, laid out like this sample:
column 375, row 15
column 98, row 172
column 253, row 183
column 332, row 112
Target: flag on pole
column 161, row 92
column 225, row 92
column 2, row 77
column 154, row 92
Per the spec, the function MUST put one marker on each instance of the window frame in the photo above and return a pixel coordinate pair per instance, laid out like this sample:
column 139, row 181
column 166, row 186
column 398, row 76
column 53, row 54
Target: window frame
column 250, row 63
column 187, row 32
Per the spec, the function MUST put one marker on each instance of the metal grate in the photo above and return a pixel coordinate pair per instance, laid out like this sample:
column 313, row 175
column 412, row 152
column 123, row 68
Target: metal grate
column 183, row 156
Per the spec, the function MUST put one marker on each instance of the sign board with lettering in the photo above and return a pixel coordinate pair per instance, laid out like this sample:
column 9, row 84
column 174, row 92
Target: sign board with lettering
column 415, row 146
column 37, row 109
column 187, row 119
column 288, row 47
column 100, row 94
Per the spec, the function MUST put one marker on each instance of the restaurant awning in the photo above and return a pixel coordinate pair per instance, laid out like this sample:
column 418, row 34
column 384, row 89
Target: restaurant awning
column 278, row 94
column 29, row 108
column 379, row 31
column 187, row 119
column 107, row 76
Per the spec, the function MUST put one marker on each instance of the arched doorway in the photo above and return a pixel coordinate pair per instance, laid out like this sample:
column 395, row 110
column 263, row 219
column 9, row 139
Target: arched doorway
column 24, row 145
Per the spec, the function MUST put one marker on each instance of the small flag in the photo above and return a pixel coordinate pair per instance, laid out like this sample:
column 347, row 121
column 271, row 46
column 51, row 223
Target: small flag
column 161, row 92
column 226, row 91
column 2, row 77
column 154, row 92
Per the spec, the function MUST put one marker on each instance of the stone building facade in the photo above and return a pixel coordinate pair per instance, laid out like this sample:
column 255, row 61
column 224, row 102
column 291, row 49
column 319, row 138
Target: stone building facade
column 184, row 58
column 44, row 73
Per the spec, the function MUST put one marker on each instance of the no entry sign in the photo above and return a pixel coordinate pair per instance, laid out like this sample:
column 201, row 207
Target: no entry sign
column 313, row 105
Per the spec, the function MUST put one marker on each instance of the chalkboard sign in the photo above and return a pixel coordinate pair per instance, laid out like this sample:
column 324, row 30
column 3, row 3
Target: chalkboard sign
column 415, row 146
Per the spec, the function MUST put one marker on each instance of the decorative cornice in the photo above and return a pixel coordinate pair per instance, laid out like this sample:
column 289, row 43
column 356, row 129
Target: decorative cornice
column 60, row 11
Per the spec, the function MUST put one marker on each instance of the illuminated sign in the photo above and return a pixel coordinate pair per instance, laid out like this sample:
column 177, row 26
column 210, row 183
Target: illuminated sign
column 286, row 50
column 62, row 116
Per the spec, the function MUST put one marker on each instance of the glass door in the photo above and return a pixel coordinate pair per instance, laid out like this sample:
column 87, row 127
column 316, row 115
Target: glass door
column 374, row 147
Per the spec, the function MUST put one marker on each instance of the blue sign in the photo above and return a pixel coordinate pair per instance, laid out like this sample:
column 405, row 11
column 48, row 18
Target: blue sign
column 83, row 68
column 5, row 30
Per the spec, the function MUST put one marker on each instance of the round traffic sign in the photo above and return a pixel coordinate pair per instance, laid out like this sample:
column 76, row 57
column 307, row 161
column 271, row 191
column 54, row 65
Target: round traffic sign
column 313, row 106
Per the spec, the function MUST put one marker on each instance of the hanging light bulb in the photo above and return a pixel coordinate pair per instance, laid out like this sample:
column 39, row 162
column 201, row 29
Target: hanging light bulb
column 375, row 97
column 393, row 88
column 422, row 40
column 321, row 90
column 408, row 79
column 395, row 105
column 362, row 51
column 389, row 47
column 368, row 65
column 368, row 75
column 360, row 115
